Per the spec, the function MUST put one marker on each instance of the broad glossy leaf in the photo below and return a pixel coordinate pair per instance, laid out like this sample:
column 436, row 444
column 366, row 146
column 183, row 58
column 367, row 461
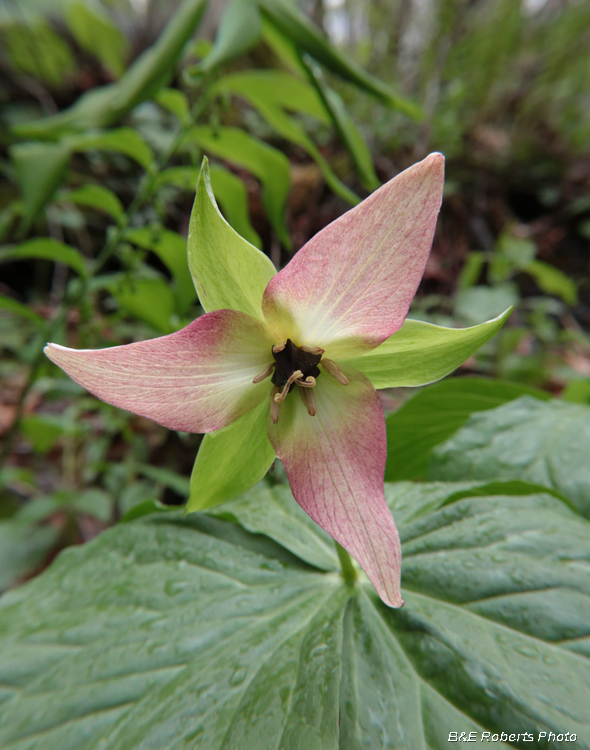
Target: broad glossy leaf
column 174, row 633
column 231, row 461
column 152, row 660
column 124, row 140
column 96, row 196
column 434, row 414
column 266, row 163
column 46, row 248
column 308, row 38
column 239, row 30
column 228, row 272
column 40, row 169
column 273, row 512
column 95, row 33
column 105, row 106
column 543, row 442
column 420, row 353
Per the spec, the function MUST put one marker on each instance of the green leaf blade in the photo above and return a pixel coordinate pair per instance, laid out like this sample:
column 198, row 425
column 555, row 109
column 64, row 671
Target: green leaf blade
column 546, row 443
column 266, row 163
column 421, row 353
column 231, row 461
column 435, row 414
column 194, row 632
column 228, row 272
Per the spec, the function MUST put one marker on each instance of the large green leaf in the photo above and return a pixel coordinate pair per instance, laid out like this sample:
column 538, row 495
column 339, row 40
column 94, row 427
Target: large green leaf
column 273, row 512
column 435, row 413
column 266, row 163
column 420, row 353
column 543, row 442
column 229, row 273
column 195, row 633
column 106, row 105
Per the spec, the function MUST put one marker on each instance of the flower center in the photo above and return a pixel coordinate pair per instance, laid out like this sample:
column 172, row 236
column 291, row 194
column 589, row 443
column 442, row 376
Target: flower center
column 296, row 365
column 290, row 360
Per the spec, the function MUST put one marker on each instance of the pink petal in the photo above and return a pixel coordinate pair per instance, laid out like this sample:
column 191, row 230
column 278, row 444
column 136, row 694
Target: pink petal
column 196, row 380
column 349, row 288
column 335, row 462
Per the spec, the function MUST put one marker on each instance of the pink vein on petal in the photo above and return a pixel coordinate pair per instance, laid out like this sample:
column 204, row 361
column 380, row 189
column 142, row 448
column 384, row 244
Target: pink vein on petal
column 354, row 281
column 335, row 463
column 198, row 379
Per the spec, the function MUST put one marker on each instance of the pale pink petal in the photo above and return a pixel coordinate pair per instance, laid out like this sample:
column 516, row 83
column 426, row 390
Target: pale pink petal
column 335, row 463
column 196, row 380
column 349, row 288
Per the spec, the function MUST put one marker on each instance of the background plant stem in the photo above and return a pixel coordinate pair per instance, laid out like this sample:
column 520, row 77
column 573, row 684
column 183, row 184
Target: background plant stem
column 348, row 570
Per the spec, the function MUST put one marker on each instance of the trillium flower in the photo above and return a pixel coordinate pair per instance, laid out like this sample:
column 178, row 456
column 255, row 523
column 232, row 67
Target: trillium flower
column 286, row 364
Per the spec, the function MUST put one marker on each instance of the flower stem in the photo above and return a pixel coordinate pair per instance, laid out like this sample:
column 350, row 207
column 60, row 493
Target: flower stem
column 347, row 566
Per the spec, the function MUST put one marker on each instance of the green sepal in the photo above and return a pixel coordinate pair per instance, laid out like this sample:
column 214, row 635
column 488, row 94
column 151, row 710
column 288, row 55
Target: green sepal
column 421, row 353
column 229, row 272
column 231, row 461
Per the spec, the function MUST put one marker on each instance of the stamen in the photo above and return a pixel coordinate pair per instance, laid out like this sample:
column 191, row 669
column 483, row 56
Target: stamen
column 279, row 347
column 275, row 407
column 309, row 382
column 265, row 373
column 332, row 369
column 279, row 397
column 308, row 398
column 312, row 349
